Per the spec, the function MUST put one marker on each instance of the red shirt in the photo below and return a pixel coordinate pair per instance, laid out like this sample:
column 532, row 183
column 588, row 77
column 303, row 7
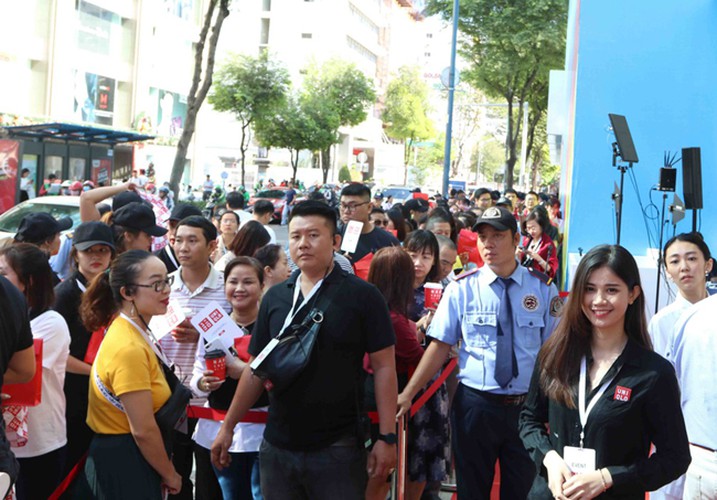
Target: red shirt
column 408, row 350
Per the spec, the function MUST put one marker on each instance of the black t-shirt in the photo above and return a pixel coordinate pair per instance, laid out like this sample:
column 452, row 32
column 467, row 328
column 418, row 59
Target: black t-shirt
column 321, row 406
column 68, row 296
column 15, row 334
column 371, row 243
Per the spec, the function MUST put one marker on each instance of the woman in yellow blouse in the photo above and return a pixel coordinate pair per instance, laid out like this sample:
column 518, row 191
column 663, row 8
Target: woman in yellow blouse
column 127, row 456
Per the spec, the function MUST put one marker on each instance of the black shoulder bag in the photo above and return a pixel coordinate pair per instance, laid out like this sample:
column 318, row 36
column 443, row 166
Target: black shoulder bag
column 174, row 410
column 293, row 346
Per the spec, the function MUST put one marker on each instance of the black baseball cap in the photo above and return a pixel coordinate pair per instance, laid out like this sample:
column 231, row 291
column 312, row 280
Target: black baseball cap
column 498, row 218
column 183, row 210
column 125, row 198
column 89, row 234
column 417, row 204
column 139, row 216
column 37, row 227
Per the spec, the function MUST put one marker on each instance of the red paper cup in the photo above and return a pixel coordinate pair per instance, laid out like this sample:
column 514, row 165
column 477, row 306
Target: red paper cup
column 216, row 362
column 433, row 293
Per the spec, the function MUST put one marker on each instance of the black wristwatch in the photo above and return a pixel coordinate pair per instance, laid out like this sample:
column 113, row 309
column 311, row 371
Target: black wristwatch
column 388, row 438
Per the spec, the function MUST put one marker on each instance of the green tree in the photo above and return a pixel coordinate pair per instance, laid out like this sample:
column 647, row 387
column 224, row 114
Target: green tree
column 252, row 88
column 336, row 90
column 298, row 125
column 405, row 114
column 344, row 174
column 429, row 161
column 217, row 11
column 511, row 46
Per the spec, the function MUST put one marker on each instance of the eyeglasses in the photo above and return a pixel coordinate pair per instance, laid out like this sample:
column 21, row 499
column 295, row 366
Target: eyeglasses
column 351, row 207
column 159, row 285
column 380, row 222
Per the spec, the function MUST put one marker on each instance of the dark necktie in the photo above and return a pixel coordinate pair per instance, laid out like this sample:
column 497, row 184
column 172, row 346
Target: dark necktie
column 506, row 366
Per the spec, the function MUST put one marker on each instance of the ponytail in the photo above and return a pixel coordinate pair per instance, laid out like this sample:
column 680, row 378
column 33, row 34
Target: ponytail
column 98, row 306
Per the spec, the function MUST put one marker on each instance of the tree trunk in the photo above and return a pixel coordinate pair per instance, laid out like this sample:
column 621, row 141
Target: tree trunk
column 198, row 92
column 326, row 162
column 294, row 164
column 243, row 147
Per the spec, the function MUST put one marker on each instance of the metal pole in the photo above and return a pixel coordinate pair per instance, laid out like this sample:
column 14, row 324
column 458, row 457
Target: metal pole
column 451, row 88
column 659, row 252
column 524, row 147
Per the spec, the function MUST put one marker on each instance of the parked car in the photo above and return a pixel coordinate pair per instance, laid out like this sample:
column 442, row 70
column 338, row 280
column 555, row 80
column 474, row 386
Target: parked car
column 57, row 206
column 400, row 193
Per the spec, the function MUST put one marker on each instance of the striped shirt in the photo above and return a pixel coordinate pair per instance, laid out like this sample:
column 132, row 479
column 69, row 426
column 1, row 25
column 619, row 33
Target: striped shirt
column 182, row 354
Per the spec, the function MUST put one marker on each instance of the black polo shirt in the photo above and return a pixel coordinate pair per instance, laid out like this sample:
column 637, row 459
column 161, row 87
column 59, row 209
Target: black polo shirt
column 15, row 334
column 68, row 297
column 640, row 406
column 323, row 404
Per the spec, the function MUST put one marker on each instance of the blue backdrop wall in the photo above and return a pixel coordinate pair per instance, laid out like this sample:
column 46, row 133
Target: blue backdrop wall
column 654, row 61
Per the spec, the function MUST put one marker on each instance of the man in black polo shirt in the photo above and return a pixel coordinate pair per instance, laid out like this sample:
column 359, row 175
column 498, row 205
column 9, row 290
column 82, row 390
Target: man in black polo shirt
column 356, row 205
column 311, row 443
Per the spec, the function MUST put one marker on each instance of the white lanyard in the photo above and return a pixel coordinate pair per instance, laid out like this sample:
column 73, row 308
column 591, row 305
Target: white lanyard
column 82, row 287
column 149, row 338
column 584, row 413
column 294, row 309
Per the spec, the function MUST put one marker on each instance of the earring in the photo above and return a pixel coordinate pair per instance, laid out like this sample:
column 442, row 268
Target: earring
column 132, row 311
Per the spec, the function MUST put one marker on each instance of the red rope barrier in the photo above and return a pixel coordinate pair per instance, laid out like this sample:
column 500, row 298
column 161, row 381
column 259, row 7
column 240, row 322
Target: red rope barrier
column 251, row 417
column 434, row 387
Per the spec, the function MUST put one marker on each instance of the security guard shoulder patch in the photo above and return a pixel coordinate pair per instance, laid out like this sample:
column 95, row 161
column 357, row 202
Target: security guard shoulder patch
column 556, row 306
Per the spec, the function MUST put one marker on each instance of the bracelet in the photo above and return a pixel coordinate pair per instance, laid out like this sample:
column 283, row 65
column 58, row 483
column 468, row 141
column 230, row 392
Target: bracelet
column 604, row 484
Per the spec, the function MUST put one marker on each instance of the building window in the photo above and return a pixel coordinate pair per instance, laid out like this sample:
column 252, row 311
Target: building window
column 266, row 5
column 429, row 35
column 427, row 54
column 307, row 36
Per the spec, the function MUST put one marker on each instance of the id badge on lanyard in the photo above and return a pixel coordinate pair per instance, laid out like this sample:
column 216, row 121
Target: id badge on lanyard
column 580, row 459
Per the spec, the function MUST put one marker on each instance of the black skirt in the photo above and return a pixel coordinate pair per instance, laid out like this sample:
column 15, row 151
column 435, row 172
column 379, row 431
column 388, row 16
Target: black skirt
column 116, row 469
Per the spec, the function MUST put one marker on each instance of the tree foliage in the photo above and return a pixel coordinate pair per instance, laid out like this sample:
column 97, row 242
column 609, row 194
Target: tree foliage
column 336, row 92
column 511, row 46
column 217, row 11
column 405, row 114
column 253, row 88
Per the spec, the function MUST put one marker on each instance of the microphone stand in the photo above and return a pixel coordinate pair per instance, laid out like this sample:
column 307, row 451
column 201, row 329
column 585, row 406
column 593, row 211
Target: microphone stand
column 623, row 169
column 659, row 251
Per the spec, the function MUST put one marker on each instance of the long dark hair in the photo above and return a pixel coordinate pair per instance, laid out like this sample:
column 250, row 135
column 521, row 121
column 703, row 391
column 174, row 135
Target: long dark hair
column 102, row 300
column 399, row 223
column 560, row 356
column 421, row 240
column 392, row 272
column 34, row 272
column 250, row 238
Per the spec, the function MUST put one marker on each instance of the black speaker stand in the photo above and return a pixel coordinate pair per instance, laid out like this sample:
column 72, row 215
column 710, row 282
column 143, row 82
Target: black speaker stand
column 659, row 251
column 623, row 169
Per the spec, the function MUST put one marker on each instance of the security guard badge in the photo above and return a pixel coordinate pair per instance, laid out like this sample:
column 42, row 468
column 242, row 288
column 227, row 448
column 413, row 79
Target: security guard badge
column 530, row 302
column 556, row 306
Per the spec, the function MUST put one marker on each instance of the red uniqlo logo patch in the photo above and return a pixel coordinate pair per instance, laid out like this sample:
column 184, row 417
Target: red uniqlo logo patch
column 622, row 393
column 205, row 324
column 215, row 315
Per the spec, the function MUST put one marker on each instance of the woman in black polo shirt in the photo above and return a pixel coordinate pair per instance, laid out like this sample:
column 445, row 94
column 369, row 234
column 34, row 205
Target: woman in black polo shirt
column 605, row 395
column 92, row 251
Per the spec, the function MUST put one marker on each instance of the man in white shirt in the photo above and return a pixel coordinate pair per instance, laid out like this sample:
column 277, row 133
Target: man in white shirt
column 235, row 202
column 263, row 212
column 196, row 284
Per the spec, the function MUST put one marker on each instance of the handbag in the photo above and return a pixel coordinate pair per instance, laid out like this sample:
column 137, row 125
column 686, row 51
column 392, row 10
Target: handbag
column 174, row 411
column 289, row 352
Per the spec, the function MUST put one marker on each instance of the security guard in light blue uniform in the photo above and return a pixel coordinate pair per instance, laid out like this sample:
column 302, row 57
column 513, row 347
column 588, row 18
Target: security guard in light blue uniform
column 501, row 314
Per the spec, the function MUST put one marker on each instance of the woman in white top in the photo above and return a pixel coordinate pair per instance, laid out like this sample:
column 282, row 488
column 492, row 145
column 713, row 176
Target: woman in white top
column 228, row 227
column 41, row 458
column 243, row 285
column 688, row 262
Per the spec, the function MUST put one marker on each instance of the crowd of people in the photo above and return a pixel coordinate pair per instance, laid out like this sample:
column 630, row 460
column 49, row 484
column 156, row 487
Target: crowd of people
column 363, row 309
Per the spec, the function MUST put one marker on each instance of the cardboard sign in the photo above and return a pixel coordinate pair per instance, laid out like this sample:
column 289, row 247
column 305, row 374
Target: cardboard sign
column 29, row 393
column 162, row 325
column 351, row 236
column 213, row 323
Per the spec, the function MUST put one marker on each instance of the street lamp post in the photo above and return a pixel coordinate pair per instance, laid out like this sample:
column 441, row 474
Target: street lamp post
column 451, row 89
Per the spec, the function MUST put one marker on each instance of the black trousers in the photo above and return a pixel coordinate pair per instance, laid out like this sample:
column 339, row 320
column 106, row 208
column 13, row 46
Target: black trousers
column 484, row 431
column 39, row 476
column 184, row 452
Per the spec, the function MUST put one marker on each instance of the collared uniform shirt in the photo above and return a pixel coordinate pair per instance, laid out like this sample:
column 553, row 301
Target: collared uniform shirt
column 695, row 360
column 182, row 354
column 639, row 406
column 662, row 326
column 469, row 312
